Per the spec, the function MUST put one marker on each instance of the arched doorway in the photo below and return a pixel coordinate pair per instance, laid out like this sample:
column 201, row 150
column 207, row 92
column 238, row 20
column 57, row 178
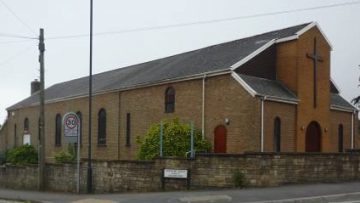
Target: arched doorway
column 220, row 139
column 313, row 137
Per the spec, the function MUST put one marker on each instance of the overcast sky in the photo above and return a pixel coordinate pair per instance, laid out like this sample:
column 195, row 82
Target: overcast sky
column 68, row 58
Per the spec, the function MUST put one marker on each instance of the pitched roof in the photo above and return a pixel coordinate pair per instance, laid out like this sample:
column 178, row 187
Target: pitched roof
column 269, row 88
column 214, row 58
column 338, row 101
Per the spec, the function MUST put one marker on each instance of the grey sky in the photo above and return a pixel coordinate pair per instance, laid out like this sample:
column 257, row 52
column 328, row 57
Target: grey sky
column 67, row 59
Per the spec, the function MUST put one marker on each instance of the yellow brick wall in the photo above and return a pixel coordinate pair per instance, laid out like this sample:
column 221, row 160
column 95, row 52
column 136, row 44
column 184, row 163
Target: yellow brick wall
column 337, row 118
column 225, row 98
column 287, row 115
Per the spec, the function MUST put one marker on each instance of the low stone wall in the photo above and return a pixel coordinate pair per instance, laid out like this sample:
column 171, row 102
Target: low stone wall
column 206, row 171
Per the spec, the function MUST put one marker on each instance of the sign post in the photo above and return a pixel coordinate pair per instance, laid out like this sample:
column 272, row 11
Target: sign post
column 72, row 126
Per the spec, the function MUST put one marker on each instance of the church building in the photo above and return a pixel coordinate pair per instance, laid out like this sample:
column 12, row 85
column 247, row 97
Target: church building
column 267, row 93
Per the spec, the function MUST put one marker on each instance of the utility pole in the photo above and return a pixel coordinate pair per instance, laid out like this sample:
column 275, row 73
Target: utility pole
column 89, row 169
column 42, row 112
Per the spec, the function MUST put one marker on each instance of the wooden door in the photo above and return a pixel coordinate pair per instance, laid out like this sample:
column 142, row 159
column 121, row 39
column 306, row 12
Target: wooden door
column 220, row 139
column 313, row 137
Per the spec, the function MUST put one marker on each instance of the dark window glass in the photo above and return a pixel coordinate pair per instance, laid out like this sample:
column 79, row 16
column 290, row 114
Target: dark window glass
column 81, row 127
column 277, row 134
column 15, row 132
column 26, row 125
column 102, row 127
column 341, row 138
column 169, row 100
column 58, row 124
column 128, row 129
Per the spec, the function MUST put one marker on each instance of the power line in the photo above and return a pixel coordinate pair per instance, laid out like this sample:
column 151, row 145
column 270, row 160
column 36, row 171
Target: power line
column 206, row 22
column 17, row 17
column 15, row 41
column 9, row 35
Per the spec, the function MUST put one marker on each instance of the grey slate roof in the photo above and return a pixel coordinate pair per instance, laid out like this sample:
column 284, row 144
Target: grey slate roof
column 339, row 101
column 271, row 88
column 213, row 58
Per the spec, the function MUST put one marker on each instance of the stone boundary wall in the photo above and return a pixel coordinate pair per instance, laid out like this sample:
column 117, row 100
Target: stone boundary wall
column 206, row 170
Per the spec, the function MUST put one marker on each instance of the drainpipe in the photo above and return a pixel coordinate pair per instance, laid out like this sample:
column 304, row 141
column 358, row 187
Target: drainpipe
column 352, row 130
column 203, row 108
column 262, row 124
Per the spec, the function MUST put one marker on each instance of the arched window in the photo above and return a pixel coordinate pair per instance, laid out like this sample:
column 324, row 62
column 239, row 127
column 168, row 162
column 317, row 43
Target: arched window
column 102, row 127
column 341, row 138
column 26, row 125
column 81, row 127
column 169, row 100
column 277, row 134
column 58, row 124
column 15, row 132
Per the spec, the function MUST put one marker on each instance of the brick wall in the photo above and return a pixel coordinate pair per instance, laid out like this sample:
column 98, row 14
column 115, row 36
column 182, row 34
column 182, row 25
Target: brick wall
column 207, row 171
column 223, row 96
column 287, row 115
column 3, row 137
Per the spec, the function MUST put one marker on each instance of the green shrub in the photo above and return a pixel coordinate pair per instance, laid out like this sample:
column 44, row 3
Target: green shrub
column 176, row 140
column 239, row 179
column 25, row 154
column 2, row 158
column 67, row 156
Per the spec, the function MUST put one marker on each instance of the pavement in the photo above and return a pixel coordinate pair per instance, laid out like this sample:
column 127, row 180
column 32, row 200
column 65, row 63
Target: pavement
column 348, row 192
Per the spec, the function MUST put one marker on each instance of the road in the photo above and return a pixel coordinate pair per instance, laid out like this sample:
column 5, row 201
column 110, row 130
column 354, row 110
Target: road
column 339, row 192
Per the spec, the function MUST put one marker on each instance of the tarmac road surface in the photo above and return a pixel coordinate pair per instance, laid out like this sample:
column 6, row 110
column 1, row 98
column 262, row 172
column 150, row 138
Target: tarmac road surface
column 335, row 192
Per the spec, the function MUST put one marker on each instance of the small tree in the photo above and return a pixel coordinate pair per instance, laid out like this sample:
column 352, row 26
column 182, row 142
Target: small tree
column 176, row 140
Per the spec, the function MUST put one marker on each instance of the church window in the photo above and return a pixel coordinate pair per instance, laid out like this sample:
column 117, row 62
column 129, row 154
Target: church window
column 341, row 138
column 26, row 125
column 128, row 129
column 277, row 134
column 102, row 127
column 169, row 100
column 58, row 124
column 15, row 132
column 80, row 122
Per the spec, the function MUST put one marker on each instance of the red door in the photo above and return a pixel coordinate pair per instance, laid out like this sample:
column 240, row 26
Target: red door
column 220, row 139
column 313, row 137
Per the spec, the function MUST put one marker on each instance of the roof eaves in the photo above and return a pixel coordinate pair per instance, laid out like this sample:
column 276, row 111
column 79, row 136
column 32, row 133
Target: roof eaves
column 252, row 55
column 246, row 86
column 302, row 31
column 280, row 99
column 341, row 108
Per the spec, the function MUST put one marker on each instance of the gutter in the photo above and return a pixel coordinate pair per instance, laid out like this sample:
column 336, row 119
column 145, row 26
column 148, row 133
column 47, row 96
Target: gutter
column 339, row 108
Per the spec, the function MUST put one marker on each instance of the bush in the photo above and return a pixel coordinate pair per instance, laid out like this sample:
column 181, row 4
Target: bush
column 176, row 140
column 68, row 156
column 25, row 154
column 239, row 179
